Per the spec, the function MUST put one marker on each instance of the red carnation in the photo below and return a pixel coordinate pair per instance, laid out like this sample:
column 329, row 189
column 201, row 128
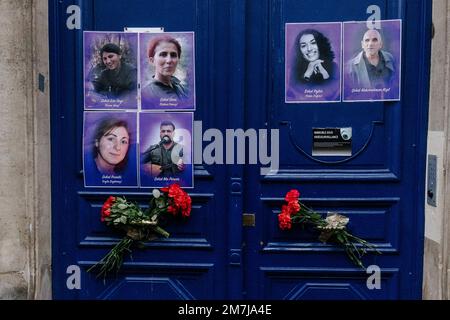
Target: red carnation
column 186, row 206
column 180, row 200
column 172, row 210
column 284, row 220
column 106, row 208
column 292, row 195
column 285, row 210
column 294, row 207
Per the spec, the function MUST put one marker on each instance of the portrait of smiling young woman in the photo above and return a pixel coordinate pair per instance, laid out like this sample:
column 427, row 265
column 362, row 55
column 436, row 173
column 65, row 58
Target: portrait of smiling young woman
column 313, row 62
column 314, row 57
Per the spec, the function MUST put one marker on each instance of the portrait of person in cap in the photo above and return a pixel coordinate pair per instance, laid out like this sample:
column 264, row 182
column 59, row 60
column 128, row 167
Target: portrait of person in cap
column 115, row 77
column 110, row 70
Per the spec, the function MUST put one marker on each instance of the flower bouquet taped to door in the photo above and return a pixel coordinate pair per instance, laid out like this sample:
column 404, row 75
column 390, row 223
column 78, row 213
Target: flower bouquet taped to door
column 140, row 225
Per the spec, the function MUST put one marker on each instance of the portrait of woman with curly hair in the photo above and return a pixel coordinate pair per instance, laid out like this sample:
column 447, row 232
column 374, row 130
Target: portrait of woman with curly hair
column 312, row 62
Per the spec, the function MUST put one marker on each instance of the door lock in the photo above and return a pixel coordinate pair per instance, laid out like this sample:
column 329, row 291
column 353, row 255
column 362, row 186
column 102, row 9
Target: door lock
column 248, row 219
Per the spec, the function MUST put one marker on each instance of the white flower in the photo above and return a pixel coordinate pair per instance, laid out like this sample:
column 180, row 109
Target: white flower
column 336, row 221
column 156, row 193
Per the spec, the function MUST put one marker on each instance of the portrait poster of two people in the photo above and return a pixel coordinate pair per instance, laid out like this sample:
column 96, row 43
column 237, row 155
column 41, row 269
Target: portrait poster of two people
column 147, row 71
column 350, row 61
column 131, row 149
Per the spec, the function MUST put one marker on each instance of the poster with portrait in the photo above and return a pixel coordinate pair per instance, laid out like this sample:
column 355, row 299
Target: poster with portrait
column 313, row 62
column 167, row 71
column 110, row 149
column 372, row 61
column 110, row 70
column 166, row 149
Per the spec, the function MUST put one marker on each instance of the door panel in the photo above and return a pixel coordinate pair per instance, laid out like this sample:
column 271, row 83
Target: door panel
column 192, row 263
column 377, row 187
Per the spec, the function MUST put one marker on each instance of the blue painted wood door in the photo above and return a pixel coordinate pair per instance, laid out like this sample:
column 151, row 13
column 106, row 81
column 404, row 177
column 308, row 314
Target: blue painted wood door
column 193, row 263
column 380, row 188
column 240, row 84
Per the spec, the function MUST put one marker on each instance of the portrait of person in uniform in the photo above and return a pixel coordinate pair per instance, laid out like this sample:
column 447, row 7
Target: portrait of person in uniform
column 110, row 149
column 313, row 62
column 372, row 61
column 165, row 151
column 167, row 71
column 110, row 70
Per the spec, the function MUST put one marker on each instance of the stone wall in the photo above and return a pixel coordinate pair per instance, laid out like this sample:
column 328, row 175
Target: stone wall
column 24, row 152
column 435, row 284
column 41, row 185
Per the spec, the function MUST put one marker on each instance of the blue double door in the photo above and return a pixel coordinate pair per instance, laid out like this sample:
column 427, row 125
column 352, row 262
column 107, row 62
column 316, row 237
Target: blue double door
column 240, row 83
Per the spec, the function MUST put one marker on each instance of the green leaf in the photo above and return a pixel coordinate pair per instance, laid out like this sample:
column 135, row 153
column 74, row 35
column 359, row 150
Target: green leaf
column 122, row 206
column 160, row 202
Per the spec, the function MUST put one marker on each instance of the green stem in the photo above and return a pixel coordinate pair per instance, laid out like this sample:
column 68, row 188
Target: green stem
column 114, row 259
column 161, row 231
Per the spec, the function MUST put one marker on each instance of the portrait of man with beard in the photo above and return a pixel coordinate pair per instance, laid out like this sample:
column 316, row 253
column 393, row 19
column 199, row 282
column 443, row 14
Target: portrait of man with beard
column 164, row 159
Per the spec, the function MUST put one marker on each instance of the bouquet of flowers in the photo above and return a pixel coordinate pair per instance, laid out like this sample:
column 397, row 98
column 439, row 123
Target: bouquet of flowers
column 332, row 228
column 140, row 225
